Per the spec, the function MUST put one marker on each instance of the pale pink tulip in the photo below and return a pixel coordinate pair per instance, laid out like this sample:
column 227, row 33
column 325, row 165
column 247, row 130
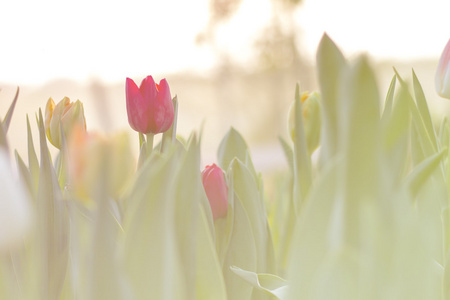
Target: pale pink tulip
column 443, row 73
column 216, row 190
column 149, row 107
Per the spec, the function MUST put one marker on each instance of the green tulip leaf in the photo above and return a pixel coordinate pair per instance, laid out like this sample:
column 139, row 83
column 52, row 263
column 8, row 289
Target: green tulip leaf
column 241, row 251
column 389, row 103
column 170, row 135
column 52, row 224
column 288, row 152
column 62, row 160
column 361, row 130
column 246, row 190
column 423, row 109
column 188, row 205
column 422, row 135
column 209, row 281
column 444, row 132
column 231, row 146
column 223, row 227
column 268, row 283
column 422, row 172
column 330, row 65
column 24, row 172
column 3, row 139
column 105, row 279
column 8, row 117
column 33, row 163
column 444, row 137
column 315, row 231
column 151, row 250
column 417, row 152
column 396, row 140
column 302, row 160
column 249, row 164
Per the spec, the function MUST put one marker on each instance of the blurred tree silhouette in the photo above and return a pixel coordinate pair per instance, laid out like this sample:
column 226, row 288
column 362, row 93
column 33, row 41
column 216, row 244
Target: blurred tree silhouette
column 279, row 64
column 276, row 44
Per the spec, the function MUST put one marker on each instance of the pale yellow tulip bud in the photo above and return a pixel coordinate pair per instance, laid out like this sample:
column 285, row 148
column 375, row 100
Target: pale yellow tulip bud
column 67, row 113
column 311, row 120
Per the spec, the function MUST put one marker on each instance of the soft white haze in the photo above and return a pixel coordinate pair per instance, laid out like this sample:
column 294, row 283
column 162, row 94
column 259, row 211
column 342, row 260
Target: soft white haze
column 44, row 40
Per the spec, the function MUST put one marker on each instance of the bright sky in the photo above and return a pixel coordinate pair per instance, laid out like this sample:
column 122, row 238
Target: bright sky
column 44, row 40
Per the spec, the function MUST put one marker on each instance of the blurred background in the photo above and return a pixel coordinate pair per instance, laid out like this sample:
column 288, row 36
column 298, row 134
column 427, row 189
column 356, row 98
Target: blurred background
column 231, row 62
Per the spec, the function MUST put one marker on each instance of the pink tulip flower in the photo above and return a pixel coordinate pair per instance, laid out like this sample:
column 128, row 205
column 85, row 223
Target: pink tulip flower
column 149, row 107
column 442, row 79
column 216, row 190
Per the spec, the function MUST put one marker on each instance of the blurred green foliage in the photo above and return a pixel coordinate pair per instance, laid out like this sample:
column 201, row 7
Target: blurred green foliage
column 365, row 216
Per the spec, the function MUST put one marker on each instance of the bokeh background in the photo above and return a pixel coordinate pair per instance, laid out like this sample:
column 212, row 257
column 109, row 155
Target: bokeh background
column 231, row 62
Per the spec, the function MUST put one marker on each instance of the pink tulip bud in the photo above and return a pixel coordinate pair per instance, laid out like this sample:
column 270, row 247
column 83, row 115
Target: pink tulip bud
column 443, row 73
column 149, row 107
column 216, row 190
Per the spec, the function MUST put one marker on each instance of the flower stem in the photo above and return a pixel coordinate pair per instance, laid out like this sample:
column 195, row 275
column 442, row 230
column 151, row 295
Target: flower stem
column 150, row 137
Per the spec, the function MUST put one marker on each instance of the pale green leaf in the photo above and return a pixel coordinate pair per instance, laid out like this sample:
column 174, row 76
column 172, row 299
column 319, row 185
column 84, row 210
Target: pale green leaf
column 423, row 110
column 61, row 165
column 209, row 281
column 33, row 163
column 422, row 172
column 3, row 138
column 246, row 190
column 389, row 102
column 315, row 231
column 231, row 146
column 423, row 136
column 8, row 117
column 288, row 153
column 269, row 283
column 170, row 135
column 444, row 140
column 142, row 156
column 141, row 140
column 223, row 227
column 188, row 199
column 360, row 125
column 417, row 152
column 151, row 250
column 249, row 164
column 396, row 135
column 241, row 251
column 302, row 160
column 24, row 172
column 105, row 277
column 52, row 225
column 330, row 65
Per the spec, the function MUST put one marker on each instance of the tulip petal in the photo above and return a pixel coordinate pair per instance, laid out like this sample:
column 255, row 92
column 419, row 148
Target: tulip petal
column 150, row 107
column 164, row 113
column 216, row 190
column 442, row 79
column 137, row 107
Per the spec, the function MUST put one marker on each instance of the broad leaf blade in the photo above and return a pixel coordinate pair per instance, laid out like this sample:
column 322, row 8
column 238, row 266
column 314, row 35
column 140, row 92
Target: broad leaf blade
column 52, row 224
column 8, row 117
column 268, row 283
column 330, row 65
column 422, row 172
column 389, row 103
column 423, row 109
column 302, row 160
column 231, row 146
column 33, row 163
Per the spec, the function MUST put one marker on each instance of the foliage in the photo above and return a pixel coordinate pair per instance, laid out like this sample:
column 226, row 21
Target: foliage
column 368, row 219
